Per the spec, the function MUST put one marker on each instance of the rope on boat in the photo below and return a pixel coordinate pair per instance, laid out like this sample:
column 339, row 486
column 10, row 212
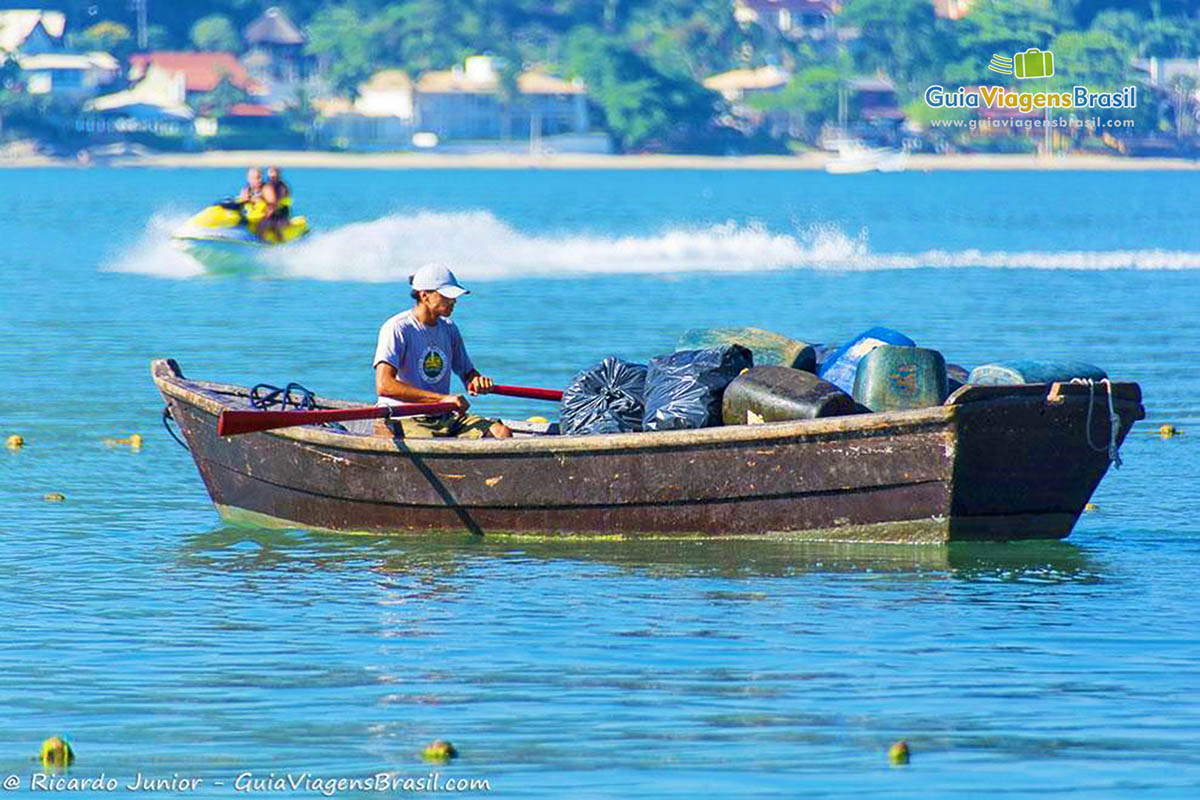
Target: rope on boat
column 1114, row 422
column 166, row 420
column 265, row 396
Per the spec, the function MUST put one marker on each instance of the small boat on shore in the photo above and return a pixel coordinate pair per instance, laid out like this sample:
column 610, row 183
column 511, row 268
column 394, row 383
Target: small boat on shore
column 991, row 463
column 854, row 158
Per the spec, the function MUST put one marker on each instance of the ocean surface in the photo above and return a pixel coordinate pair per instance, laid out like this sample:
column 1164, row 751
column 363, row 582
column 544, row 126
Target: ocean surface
column 163, row 641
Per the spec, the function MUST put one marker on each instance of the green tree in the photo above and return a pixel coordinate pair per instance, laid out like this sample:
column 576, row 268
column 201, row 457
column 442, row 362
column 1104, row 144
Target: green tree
column 347, row 42
column 108, row 36
column 903, row 39
column 1183, row 104
column 224, row 95
column 1092, row 57
column 810, row 97
column 215, row 32
column 1000, row 27
column 640, row 104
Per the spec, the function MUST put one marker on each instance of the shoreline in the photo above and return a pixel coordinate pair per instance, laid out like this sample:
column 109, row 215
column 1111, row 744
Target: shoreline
column 816, row 161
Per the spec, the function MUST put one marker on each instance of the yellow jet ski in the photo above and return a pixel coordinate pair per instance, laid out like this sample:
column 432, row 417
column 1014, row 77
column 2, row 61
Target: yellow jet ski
column 229, row 233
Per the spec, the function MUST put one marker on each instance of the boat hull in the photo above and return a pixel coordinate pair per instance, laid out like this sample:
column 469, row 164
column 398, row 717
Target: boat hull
column 1005, row 464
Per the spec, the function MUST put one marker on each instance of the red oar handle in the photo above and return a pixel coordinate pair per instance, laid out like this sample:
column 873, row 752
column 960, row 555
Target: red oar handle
column 236, row 421
column 529, row 393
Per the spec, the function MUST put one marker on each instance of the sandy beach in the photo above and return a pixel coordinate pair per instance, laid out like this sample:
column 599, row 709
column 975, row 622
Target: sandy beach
column 408, row 160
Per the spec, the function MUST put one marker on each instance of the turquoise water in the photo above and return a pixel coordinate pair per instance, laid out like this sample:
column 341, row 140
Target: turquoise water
column 163, row 641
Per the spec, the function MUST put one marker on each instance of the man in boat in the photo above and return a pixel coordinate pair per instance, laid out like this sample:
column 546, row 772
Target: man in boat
column 417, row 351
column 278, row 197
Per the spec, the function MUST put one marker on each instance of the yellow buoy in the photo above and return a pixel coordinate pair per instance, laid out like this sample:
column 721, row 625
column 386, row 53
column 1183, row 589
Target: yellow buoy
column 54, row 497
column 539, row 420
column 57, row 753
column 134, row 442
column 1091, row 507
column 1168, row 430
column 15, row 442
column 898, row 752
column 439, row 751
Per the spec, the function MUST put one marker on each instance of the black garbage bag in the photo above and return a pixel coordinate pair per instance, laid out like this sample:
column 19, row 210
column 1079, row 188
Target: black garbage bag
column 606, row 398
column 683, row 390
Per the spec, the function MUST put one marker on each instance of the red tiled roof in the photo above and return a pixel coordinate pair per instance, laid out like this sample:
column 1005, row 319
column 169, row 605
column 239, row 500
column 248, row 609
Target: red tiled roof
column 250, row 110
column 202, row 71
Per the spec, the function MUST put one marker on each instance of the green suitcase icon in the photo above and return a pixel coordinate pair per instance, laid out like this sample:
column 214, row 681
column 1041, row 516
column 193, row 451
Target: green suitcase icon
column 1033, row 63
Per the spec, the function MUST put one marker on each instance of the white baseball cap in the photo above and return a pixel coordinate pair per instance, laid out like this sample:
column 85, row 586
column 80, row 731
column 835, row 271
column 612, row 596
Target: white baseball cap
column 437, row 278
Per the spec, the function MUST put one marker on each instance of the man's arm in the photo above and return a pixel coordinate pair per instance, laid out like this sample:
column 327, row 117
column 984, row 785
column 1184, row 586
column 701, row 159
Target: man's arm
column 388, row 385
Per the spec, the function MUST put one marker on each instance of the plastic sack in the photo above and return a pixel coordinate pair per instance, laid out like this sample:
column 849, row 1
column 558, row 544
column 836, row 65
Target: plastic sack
column 608, row 397
column 683, row 390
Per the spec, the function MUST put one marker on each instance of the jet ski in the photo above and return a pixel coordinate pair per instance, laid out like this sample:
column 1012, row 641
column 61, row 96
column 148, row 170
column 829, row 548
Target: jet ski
column 227, row 235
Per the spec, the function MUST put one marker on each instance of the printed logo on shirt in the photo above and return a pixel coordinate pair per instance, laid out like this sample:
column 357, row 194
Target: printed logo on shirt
column 433, row 364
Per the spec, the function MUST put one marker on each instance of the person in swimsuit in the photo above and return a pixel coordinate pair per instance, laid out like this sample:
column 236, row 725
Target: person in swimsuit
column 278, row 197
column 252, row 192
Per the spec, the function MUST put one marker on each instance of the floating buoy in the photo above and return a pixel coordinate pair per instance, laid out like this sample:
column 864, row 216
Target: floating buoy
column 898, row 753
column 54, row 497
column 134, row 442
column 538, row 420
column 439, row 751
column 15, row 442
column 1091, row 507
column 1165, row 431
column 57, row 753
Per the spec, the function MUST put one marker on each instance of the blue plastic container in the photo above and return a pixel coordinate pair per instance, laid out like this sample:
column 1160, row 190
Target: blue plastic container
column 1008, row 373
column 841, row 367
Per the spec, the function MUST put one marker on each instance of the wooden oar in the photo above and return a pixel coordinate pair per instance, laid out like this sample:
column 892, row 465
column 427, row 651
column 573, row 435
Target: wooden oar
column 236, row 421
column 529, row 393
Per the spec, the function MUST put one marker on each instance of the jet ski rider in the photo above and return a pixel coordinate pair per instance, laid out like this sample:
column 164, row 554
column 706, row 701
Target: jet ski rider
column 252, row 192
column 278, row 197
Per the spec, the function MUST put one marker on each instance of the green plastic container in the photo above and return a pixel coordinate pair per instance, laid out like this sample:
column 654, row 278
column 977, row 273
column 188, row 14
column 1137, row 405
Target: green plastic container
column 894, row 378
column 1009, row 373
column 777, row 394
column 769, row 348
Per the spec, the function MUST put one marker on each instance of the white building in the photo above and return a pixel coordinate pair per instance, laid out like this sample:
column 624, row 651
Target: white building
column 68, row 76
column 30, row 32
column 468, row 103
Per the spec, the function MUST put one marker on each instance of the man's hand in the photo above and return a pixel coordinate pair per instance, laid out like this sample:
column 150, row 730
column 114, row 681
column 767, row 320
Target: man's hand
column 460, row 402
column 480, row 384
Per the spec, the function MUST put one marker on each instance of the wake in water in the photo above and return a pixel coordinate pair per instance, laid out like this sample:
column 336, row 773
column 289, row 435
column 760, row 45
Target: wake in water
column 154, row 253
column 478, row 245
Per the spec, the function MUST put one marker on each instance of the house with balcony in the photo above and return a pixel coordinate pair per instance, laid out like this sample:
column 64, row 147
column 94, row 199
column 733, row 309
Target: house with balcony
column 277, row 62
column 68, row 77
column 469, row 102
column 379, row 118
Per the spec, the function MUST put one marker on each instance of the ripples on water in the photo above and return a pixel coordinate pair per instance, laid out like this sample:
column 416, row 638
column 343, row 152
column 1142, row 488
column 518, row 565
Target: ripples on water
column 164, row 641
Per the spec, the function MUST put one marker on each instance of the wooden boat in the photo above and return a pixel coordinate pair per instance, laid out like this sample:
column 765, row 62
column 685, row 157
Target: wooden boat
column 993, row 462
